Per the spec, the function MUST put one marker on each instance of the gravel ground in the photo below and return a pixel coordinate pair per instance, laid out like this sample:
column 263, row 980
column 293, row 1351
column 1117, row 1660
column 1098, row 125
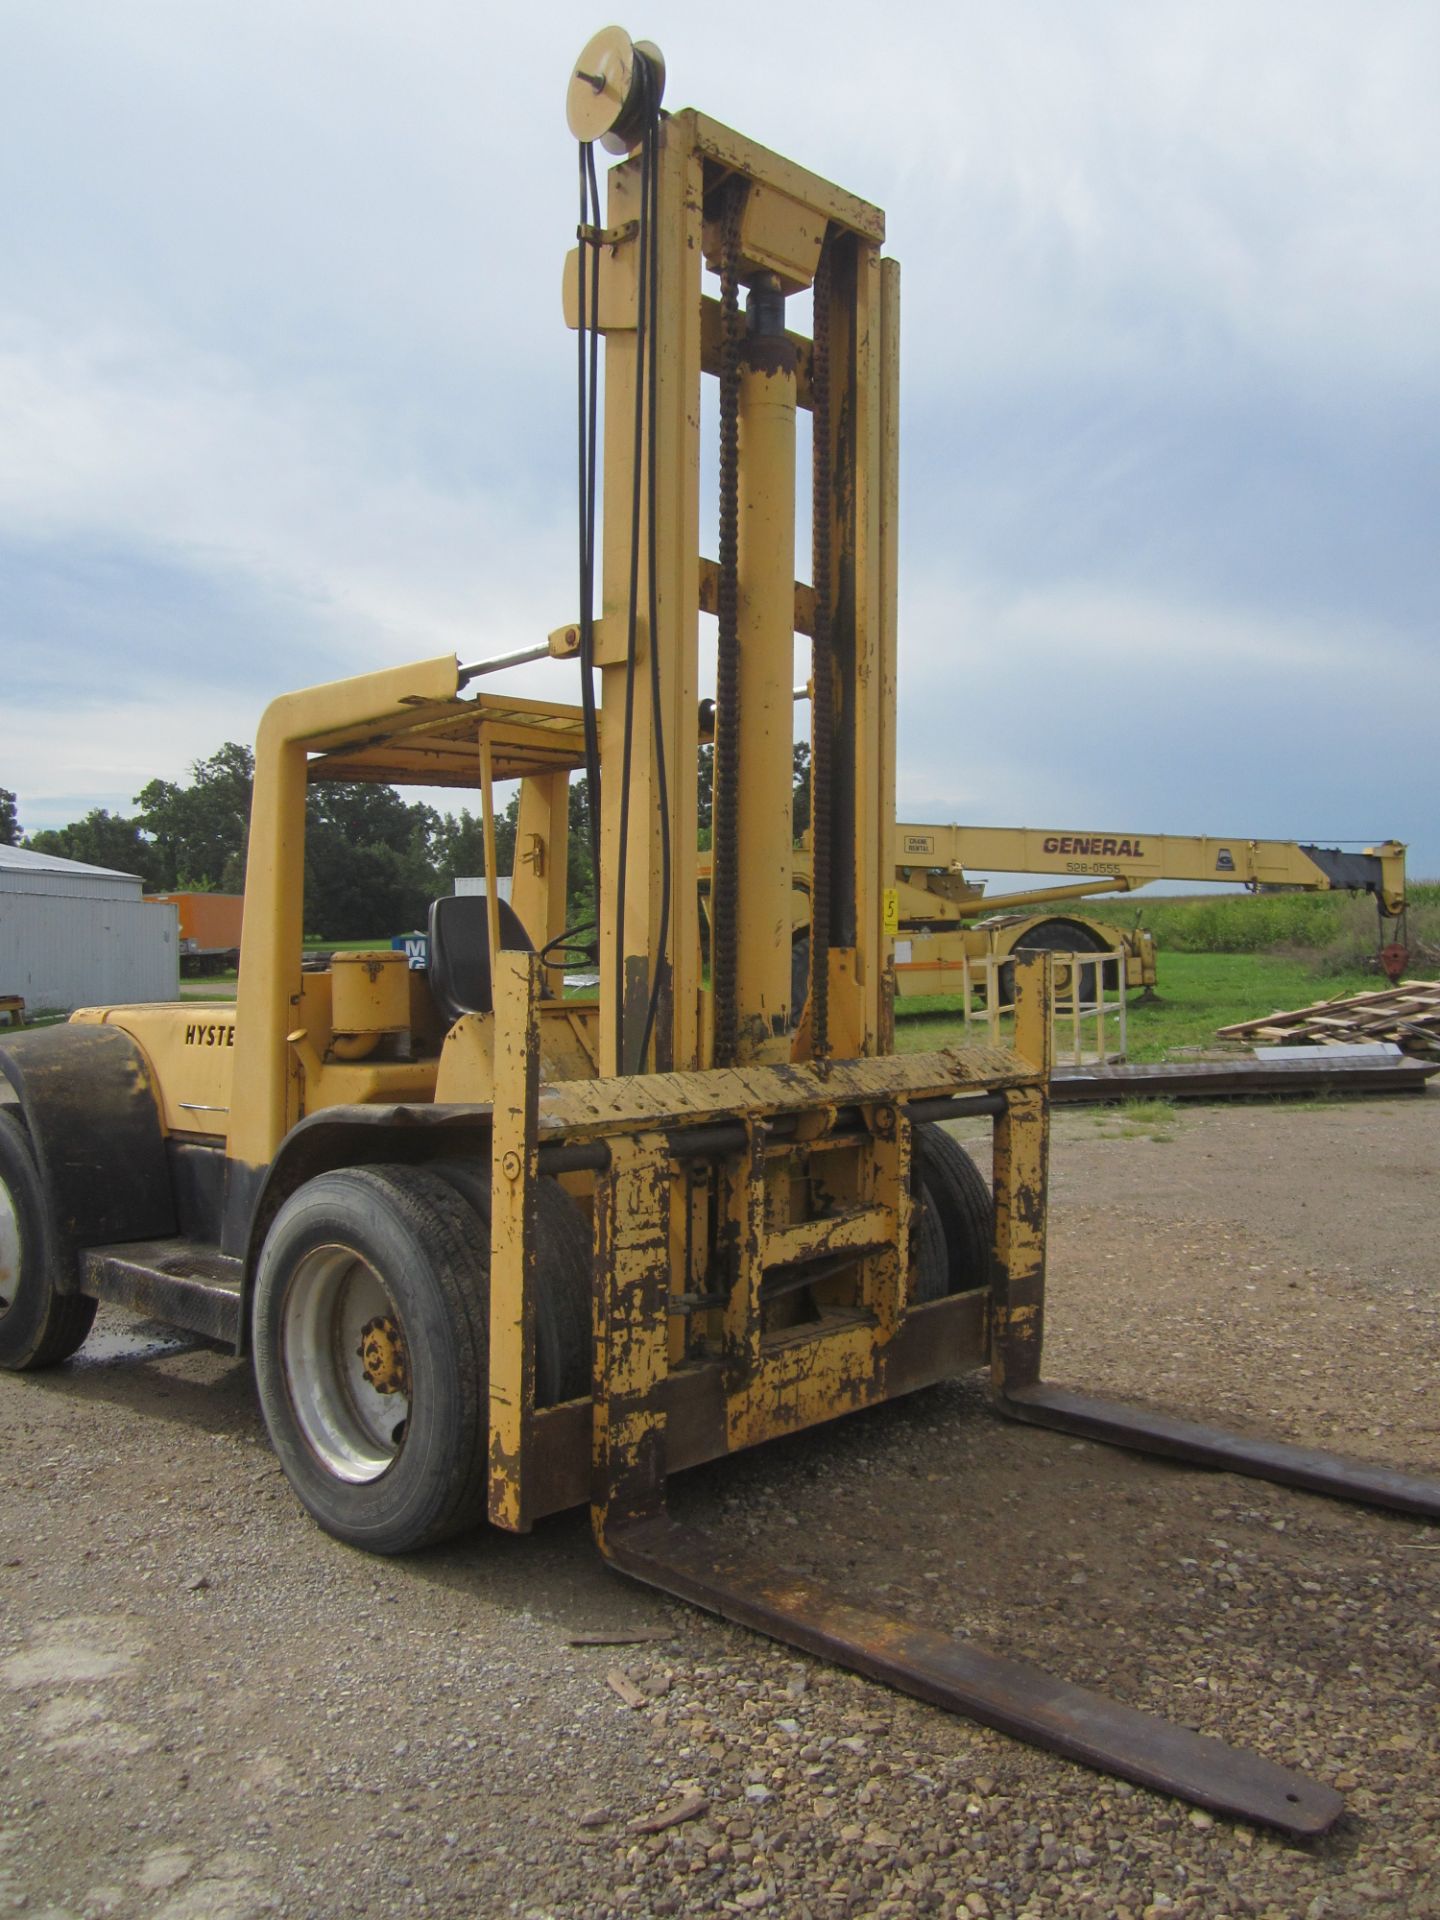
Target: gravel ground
column 211, row 1712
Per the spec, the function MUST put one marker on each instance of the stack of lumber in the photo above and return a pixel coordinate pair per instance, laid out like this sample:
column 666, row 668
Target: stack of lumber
column 1408, row 1014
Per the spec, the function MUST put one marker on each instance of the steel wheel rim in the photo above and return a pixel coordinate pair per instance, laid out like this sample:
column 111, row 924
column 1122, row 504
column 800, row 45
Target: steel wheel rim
column 11, row 1249
column 356, row 1431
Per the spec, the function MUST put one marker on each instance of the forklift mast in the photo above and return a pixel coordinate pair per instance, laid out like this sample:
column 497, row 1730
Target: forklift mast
column 692, row 195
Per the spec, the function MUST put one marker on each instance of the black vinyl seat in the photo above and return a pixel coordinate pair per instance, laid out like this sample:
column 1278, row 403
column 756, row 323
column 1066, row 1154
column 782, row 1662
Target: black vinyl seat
column 459, row 959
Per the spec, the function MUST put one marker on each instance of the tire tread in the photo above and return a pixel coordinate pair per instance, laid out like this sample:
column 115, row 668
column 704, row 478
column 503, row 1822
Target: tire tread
column 43, row 1326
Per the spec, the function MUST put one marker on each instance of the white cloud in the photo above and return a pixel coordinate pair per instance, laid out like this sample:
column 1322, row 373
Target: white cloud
column 143, row 440
column 1117, row 632
column 280, row 311
column 1085, row 706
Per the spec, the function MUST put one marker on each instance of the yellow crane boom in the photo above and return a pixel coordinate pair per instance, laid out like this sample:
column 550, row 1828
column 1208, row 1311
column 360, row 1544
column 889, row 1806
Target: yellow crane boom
column 1125, row 861
column 947, row 922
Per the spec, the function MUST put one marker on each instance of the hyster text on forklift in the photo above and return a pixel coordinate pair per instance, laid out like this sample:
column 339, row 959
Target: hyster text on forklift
column 497, row 1251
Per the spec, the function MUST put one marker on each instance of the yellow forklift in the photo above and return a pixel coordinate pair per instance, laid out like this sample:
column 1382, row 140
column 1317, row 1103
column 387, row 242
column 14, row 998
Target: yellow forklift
column 498, row 1251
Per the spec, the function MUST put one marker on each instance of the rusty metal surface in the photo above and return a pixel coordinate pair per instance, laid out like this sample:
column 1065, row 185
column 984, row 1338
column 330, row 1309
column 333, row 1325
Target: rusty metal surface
column 581, row 1109
column 631, row 1357
column 1232, row 1079
column 384, row 1356
column 191, row 1287
column 1308, row 1468
column 1021, row 1171
column 936, row 1342
column 960, row 1676
column 514, row 1266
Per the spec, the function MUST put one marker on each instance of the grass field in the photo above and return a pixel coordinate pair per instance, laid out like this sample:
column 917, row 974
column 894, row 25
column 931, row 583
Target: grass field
column 1198, row 992
column 1334, row 932
column 1222, row 958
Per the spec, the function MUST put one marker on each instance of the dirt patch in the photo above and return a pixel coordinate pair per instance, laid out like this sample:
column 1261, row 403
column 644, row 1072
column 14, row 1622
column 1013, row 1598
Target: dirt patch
column 209, row 1709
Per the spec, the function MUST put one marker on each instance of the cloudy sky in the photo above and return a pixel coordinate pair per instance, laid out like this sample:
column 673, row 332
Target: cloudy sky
column 285, row 391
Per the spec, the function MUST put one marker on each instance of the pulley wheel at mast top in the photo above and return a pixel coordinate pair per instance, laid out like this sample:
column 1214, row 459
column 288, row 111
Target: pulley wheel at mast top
column 606, row 97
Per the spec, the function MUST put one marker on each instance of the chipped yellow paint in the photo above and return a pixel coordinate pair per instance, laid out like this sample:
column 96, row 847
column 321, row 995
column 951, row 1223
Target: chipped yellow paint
column 624, row 1103
column 467, row 1062
column 744, row 1235
column 765, row 569
column 628, row 689
column 815, row 1376
column 466, row 1073
column 515, row 979
column 887, row 1175
column 1034, row 998
column 1021, row 1169
column 633, row 1277
column 369, row 996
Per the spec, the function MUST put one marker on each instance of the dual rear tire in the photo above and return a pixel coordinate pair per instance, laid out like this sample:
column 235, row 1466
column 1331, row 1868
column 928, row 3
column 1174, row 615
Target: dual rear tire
column 39, row 1325
column 372, row 1342
column 371, row 1334
column 954, row 1223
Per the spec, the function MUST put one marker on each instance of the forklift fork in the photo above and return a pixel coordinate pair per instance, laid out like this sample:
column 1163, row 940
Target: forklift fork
column 1017, row 1340
column 1022, row 1395
column 636, row 1291
column 1141, row 1431
column 963, row 1677
column 637, row 1536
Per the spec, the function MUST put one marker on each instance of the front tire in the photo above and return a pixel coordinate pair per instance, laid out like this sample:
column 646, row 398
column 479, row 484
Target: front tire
column 39, row 1325
column 371, row 1349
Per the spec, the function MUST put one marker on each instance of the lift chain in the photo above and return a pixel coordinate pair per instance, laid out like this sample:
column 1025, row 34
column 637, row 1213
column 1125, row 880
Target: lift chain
column 822, row 706
column 725, row 869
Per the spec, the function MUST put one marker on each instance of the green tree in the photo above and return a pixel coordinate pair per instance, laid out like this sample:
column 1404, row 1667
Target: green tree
column 801, row 766
column 104, row 839
column 705, row 802
column 705, row 814
column 580, row 873
column 9, row 819
column 460, row 845
column 369, row 861
column 201, row 829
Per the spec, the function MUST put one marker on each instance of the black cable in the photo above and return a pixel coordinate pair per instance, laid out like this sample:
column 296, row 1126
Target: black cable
column 633, row 616
column 652, row 131
column 822, row 658
column 571, row 940
column 589, row 389
column 582, row 493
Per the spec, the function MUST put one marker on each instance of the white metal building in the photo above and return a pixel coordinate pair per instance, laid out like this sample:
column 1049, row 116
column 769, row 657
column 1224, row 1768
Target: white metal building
column 73, row 935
